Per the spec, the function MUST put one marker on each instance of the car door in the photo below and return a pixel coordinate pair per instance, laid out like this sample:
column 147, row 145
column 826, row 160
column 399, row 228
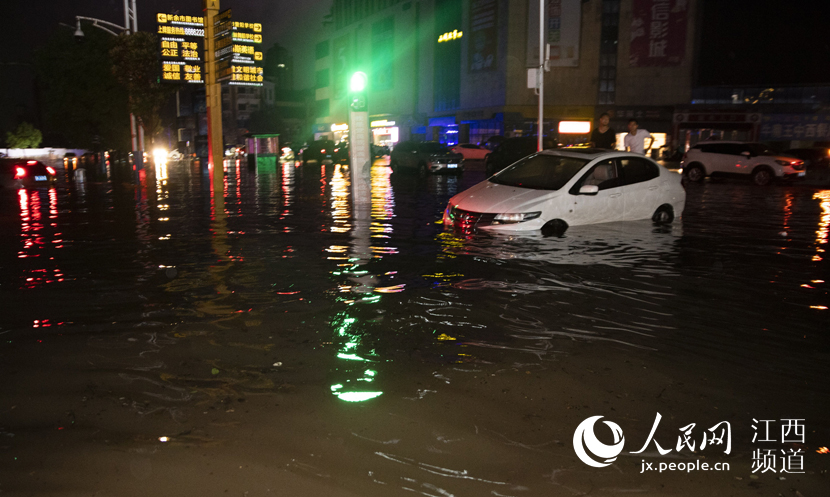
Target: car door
column 607, row 205
column 743, row 158
column 641, row 187
column 713, row 157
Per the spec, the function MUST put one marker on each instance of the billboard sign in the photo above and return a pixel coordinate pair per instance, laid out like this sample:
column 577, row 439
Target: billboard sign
column 658, row 33
column 181, row 41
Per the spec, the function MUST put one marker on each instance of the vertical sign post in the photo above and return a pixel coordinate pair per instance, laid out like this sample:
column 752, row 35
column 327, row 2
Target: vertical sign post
column 213, row 97
column 359, row 125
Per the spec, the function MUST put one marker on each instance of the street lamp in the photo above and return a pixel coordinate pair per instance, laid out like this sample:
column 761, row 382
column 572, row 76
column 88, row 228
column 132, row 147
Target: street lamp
column 130, row 26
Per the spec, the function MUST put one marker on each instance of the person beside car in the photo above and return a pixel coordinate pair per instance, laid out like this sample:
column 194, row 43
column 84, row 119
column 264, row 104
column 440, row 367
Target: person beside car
column 635, row 140
column 603, row 136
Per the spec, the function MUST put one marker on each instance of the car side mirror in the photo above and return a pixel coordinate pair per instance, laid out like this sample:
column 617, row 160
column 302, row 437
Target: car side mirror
column 588, row 190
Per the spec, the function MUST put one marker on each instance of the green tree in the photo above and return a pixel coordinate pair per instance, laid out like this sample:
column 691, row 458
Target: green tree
column 24, row 136
column 82, row 102
column 136, row 67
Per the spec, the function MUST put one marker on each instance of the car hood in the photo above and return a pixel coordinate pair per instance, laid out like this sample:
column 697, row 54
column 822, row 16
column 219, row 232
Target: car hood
column 488, row 197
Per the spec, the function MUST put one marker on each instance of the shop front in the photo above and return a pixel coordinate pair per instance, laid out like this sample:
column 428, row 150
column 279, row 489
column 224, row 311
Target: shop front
column 694, row 126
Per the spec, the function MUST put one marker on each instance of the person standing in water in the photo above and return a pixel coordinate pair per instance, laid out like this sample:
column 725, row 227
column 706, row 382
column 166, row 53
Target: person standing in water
column 603, row 136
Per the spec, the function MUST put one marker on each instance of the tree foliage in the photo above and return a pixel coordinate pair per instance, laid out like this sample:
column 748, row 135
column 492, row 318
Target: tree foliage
column 24, row 136
column 83, row 104
column 136, row 67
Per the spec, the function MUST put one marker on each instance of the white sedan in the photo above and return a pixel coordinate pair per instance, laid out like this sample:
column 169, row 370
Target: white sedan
column 470, row 151
column 554, row 189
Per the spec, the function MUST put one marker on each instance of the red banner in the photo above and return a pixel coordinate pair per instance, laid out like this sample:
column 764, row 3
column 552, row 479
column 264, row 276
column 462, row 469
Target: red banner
column 658, row 32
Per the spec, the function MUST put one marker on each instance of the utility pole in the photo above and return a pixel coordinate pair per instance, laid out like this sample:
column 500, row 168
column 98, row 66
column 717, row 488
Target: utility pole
column 213, row 97
column 541, row 77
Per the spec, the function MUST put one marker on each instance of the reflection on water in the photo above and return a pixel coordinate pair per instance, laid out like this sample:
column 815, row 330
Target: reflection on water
column 378, row 303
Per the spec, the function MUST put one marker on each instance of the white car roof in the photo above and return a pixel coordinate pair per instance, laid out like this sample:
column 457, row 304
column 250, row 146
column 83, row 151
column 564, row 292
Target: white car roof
column 590, row 153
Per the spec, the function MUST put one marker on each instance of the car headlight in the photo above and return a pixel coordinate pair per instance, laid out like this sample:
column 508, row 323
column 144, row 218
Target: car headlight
column 515, row 218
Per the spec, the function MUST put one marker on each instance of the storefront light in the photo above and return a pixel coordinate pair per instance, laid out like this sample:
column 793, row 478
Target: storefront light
column 574, row 127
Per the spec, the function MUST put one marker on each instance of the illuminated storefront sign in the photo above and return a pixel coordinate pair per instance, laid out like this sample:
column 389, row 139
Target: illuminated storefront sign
column 454, row 35
column 574, row 127
column 381, row 124
column 339, row 127
column 181, row 39
column 236, row 52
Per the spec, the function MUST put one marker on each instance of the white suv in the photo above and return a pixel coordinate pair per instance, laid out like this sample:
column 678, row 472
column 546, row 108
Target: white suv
column 739, row 158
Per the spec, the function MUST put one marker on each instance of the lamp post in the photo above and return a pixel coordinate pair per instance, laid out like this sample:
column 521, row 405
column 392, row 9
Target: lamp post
column 130, row 26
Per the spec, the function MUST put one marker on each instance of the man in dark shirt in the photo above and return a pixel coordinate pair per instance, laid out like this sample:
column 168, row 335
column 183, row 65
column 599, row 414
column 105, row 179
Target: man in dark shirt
column 603, row 136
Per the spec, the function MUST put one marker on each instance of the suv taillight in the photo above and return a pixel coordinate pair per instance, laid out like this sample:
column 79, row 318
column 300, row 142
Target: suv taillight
column 20, row 172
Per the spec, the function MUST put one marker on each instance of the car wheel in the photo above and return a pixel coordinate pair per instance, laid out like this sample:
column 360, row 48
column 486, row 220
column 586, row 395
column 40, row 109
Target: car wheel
column 554, row 227
column 694, row 173
column 762, row 176
column 663, row 215
column 423, row 170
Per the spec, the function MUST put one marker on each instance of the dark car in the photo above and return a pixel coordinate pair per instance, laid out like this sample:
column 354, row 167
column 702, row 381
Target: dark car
column 425, row 158
column 340, row 155
column 319, row 151
column 511, row 150
column 19, row 173
column 813, row 157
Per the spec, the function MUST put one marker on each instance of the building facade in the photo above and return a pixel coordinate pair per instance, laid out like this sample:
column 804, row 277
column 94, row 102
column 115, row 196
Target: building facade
column 457, row 70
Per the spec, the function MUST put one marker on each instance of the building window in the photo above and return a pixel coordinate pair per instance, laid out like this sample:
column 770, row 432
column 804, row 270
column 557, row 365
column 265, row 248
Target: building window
column 322, row 49
column 243, row 106
column 609, row 40
column 322, row 78
column 322, row 108
column 447, row 80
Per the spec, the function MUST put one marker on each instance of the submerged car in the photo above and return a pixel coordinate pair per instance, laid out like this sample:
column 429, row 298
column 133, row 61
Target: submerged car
column 425, row 158
column 25, row 173
column 554, row 189
column 471, row 151
column 726, row 158
column 319, row 151
column 512, row 149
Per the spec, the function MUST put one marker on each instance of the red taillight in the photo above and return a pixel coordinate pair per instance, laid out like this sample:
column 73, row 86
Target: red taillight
column 20, row 172
column 323, row 151
column 51, row 171
column 31, row 162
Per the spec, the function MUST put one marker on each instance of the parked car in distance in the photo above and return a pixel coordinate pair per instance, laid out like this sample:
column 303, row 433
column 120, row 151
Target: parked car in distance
column 727, row 158
column 425, row 158
column 340, row 154
column 513, row 149
column 25, row 173
column 471, row 151
column 379, row 150
column 319, row 151
column 554, row 189
column 493, row 142
column 812, row 156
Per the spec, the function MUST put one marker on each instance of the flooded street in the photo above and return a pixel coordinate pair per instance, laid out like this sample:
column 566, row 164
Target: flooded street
column 295, row 342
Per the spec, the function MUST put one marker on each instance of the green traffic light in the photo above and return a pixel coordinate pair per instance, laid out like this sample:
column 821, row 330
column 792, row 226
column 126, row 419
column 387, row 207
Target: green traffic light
column 358, row 82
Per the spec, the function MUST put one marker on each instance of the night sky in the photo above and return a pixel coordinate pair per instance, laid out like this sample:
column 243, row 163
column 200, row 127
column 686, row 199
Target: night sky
column 743, row 42
column 765, row 42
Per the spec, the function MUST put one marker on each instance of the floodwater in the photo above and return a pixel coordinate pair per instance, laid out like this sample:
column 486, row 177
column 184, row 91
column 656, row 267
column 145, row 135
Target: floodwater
column 312, row 336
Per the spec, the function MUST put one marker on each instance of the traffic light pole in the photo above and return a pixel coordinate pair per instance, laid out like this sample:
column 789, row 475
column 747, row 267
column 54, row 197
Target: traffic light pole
column 213, row 99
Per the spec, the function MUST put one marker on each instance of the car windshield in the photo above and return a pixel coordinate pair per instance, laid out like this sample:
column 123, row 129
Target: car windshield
column 540, row 172
column 434, row 148
column 760, row 149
